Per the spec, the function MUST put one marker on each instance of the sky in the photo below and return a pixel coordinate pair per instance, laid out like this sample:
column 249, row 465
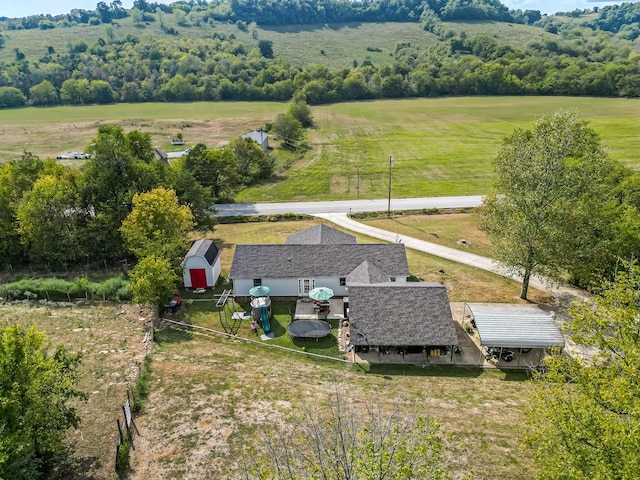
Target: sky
column 23, row 8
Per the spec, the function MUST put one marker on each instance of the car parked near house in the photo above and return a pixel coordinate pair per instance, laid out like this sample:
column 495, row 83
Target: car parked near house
column 74, row 156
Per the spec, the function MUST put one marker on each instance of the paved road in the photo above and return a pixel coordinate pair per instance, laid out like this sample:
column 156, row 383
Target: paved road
column 346, row 206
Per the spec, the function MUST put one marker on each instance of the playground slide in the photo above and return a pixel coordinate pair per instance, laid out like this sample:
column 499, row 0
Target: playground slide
column 265, row 320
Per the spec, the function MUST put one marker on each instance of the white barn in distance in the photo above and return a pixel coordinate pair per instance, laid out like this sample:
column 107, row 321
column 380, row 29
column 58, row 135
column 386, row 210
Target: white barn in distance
column 260, row 137
column 201, row 266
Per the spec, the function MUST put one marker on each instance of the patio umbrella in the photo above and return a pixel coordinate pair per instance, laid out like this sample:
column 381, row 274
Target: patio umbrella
column 321, row 293
column 259, row 291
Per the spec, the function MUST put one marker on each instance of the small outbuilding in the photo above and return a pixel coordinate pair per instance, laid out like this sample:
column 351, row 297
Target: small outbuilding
column 260, row 137
column 201, row 266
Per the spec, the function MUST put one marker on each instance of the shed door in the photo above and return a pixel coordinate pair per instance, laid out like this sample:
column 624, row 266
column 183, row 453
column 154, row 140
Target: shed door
column 198, row 278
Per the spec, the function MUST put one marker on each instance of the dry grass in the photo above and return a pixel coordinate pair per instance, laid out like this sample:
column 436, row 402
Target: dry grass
column 211, row 397
column 447, row 229
column 52, row 131
column 112, row 349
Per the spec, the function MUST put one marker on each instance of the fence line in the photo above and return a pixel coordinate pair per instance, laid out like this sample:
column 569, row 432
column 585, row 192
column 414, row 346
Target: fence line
column 248, row 340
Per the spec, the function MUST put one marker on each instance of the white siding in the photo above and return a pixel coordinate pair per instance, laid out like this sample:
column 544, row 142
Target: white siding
column 287, row 287
column 212, row 271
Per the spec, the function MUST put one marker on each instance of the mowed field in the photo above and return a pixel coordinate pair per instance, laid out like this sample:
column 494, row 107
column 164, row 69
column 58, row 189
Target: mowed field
column 442, row 146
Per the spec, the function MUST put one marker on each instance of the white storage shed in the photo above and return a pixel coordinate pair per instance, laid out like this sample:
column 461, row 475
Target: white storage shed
column 201, row 265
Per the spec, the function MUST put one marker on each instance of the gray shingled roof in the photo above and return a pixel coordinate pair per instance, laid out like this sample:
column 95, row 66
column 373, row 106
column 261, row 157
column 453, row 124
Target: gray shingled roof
column 295, row 261
column 367, row 272
column 320, row 234
column 402, row 314
column 204, row 248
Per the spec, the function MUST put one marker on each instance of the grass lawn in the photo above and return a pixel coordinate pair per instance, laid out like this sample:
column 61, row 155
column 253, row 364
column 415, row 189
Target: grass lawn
column 443, row 229
column 440, row 147
column 112, row 351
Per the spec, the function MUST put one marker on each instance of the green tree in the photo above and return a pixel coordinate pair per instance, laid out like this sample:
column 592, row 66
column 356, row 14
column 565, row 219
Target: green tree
column 550, row 198
column 101, row 92
column 584, row 417
column 11, row 97
column 35, row 390
column 253, row 163
column 152, row 280
column 342, row 438
column 75, row 92
column 191, row 193
column 216, row 169
column 287, row 127
column 158, row 225
column 266, row 48
column 52, row 219
column 44, row 94
column 16, row 178
column 299, row 110
column 140, row 145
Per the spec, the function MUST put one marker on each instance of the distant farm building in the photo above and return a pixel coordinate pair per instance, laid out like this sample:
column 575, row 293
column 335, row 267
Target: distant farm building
column 260, row 137
column 201, row 266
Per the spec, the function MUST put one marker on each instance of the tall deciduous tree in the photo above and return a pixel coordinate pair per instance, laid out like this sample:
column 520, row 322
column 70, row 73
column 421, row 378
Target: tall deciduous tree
column 35, row 390
column 158, row 226
column 16, row 178
column 546, row 210
column 253, row 163
column 52, row 219
column 585, row 413
column 191, row 193
column 216, row 169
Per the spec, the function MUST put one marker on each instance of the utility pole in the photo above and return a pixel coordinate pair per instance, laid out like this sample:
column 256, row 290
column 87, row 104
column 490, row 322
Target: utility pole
column 357, row 183
column 389, row 202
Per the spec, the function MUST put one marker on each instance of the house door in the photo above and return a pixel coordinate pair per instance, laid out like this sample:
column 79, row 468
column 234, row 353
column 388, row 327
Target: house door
column 304, row 285
column 198, row 278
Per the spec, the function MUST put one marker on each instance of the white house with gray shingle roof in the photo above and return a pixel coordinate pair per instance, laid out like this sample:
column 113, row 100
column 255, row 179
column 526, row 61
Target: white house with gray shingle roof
column 317, row 257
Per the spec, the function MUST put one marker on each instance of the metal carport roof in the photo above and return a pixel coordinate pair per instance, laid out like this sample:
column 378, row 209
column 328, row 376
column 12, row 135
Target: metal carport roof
column 515, row 326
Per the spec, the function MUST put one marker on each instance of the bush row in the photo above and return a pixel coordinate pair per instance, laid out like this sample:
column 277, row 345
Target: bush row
column 57, row 289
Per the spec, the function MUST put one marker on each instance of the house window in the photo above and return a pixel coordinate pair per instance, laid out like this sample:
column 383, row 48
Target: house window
column 257, row 282
column 392, row 279
column 343, row 281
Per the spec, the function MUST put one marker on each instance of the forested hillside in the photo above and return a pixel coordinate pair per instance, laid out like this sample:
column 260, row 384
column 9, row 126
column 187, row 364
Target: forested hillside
column 233, row 51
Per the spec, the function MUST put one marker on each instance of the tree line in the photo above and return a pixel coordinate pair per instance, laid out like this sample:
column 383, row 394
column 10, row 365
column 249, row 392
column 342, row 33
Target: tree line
column 57, row 216
column 166, row 69
column 281, row 12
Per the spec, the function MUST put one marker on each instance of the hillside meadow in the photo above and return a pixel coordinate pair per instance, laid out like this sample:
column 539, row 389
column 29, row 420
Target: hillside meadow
column 440, row 146
column 335, row 45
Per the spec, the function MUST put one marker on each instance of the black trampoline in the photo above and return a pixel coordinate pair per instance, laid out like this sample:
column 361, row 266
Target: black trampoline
column 309, row 328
